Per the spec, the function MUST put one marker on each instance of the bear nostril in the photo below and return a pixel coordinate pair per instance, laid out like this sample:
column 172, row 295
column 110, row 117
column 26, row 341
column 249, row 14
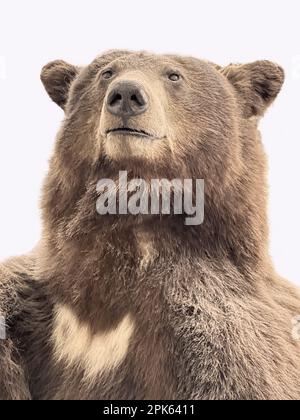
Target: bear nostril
column 138, row 100
column 117, row 98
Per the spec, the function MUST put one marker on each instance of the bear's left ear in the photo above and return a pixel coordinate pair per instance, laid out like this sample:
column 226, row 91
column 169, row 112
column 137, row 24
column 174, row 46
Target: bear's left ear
column 57, row 77
column 257, row 84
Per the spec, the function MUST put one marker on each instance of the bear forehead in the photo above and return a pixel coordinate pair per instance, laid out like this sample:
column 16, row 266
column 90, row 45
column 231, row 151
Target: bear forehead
column 144, row 57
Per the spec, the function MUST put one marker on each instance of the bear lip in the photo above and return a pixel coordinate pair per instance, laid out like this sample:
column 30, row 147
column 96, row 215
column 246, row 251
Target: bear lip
column 125, row 131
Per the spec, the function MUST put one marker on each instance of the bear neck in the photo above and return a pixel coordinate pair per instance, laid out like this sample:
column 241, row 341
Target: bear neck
column 235, row 224
column 103, row 260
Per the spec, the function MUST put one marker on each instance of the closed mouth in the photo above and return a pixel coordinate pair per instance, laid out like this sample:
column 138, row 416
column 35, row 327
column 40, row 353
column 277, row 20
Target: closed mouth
column 126, row 131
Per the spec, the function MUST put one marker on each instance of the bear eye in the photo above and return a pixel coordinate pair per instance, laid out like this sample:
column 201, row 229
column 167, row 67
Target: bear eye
column 107, row 74
column 174, row 77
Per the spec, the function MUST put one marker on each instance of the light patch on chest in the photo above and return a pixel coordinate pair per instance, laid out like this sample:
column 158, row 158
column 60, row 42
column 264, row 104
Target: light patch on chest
column 146, row 249
column 97, row 354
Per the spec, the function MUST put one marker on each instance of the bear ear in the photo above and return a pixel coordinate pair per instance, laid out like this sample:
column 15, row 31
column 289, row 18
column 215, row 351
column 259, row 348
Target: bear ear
column 257, row 83
column 57, row 77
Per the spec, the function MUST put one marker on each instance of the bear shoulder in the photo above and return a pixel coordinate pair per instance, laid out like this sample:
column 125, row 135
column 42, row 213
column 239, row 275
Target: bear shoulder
column 13, row 275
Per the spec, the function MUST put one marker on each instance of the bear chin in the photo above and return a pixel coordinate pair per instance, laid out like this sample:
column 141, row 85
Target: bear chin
column 120, row 147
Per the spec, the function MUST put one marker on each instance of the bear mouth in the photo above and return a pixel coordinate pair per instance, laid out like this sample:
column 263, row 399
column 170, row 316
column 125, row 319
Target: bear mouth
column 126, row 131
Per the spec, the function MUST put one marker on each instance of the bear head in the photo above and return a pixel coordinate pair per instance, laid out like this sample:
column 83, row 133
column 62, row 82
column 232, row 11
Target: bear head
column 163, row 116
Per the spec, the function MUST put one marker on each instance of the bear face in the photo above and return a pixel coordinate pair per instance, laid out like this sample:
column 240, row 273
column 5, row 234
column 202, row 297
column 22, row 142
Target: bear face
column 163, row 117
column 179, row 115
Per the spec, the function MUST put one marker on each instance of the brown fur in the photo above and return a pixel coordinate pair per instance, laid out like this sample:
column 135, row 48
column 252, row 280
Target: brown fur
column 189, row 312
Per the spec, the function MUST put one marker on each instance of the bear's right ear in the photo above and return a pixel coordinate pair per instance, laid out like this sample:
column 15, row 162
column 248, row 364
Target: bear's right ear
column 57, row 77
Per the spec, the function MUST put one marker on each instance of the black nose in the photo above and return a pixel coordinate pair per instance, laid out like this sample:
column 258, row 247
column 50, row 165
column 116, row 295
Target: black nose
column 127, row 99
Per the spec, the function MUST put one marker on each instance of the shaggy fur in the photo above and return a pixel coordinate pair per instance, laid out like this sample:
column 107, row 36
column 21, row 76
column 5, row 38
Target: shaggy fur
column 145, row 307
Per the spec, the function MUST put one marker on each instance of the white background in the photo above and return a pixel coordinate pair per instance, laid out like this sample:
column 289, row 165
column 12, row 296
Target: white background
column 34, row 32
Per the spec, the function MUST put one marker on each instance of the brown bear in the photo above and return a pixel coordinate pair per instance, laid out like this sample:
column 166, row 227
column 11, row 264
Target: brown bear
column 144, row 306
